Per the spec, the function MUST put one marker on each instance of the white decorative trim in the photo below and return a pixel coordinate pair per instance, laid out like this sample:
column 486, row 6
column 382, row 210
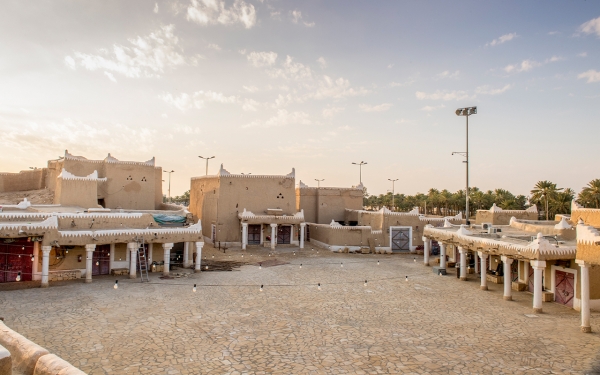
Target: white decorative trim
column 223, row 171
column 495, row 208
column 192, row 229
column 587, row 234
column 24, row 204
column 110, row 159
column 65, row 175
column 563, row 224
column 292, row 174
column 334, row 224
column 302, row 185
column 463, row 231
column 533, row 208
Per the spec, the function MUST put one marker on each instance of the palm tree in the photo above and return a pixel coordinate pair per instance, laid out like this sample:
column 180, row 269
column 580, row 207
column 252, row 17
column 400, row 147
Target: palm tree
column 561, row 203
column 590, row 195
column 545, row 190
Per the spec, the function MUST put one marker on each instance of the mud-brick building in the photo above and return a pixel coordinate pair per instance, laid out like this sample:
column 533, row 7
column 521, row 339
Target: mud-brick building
column 107, row 217
column 247, row 209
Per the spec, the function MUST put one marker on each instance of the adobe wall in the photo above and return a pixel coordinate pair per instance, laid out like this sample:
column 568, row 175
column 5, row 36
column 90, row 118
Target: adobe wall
column 129, row 186
column 204, row 197
column 340, row 236
column 322, row 205
column 81, row 193
column 503, row 217
column 255, row 194
column 23, row 181
column 590, row 216
column 545, row 229
column 158, row 194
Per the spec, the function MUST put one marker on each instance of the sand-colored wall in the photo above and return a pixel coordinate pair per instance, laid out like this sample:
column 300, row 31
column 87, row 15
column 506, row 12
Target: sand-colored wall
column 81, row 193
column 588, row 252
column 219, row 199
column 503, row 217
column 322, row 205
column 344, row 236
column 158, row 195
column 545, row 229
column 590, row 216
column 23, row 181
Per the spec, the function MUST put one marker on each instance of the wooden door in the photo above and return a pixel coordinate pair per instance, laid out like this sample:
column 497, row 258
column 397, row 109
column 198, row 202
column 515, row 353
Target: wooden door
column 530, row 287
column 15, row 259
column 400, row 239
column 284, row 234
column 101, row 260
column 254, row 232
column 564, row 288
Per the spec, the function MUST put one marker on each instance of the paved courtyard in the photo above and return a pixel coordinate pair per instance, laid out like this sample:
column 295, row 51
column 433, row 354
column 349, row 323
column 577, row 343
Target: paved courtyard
column 428, row 324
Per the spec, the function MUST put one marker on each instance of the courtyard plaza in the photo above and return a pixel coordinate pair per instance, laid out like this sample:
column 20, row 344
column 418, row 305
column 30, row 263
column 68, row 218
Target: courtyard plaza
column 423, row 324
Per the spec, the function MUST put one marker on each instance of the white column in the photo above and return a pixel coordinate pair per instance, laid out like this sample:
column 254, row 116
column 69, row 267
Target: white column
column 133, row 248
column 442, row 255
column 111, row 258
column 506, row 264
column 186, row 254
column 150, row 248
column 89, row 257
column 198, row 266
column 538, row 267
column 476, row 262
column 36, row 260
column 167, row 247
column 244, row 235
column 426, row 250
column 463, row 263
column 483, row 256
column 302, row 231
column 273, row 235
column 526, row 273
column 585, row 296
column 45, row 265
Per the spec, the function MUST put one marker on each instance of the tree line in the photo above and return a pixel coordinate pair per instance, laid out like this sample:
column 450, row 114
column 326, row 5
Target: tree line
column 549, row 199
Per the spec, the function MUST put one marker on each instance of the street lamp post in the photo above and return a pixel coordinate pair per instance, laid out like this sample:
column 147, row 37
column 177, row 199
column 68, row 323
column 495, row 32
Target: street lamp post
column 393, row 192
column 169, row 172
column 468, row 111
column 360, row 169
column 207, row 159
column 319, row 182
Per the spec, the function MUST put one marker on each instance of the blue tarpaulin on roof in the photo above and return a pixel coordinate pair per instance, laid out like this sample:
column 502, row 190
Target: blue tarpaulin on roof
column 169, row 219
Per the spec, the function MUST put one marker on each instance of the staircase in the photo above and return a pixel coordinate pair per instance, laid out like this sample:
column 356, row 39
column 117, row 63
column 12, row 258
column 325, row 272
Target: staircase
column 143, row 262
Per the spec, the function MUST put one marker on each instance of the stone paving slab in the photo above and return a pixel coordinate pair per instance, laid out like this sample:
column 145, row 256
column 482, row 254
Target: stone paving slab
column 427, row 325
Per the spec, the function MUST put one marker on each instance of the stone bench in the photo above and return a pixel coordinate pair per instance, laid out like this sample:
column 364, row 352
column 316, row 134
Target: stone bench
column 495, row 279
column 119, row 271
column 547, row 296
column 61, row 275
column 519, row 287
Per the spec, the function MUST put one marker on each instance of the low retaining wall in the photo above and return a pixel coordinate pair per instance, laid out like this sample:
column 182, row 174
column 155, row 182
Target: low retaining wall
column 30, row 358
column 64, row 275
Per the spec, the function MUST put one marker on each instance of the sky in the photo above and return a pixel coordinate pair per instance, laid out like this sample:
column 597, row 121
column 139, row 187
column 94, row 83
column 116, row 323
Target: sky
column 267, row 86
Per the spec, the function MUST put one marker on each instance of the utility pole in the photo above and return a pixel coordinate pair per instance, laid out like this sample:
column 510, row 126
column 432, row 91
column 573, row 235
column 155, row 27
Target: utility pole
column 169, row 172
column 393, row 194
column 468, row 111
column 207, row 159
column 360, row 169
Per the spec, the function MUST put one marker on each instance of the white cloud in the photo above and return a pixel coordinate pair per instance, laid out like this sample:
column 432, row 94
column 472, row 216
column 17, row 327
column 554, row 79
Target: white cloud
column 582, row 54
column 164, row 115
column 276, row 15
column 293, row 71
column 448, row 74
column 297, row 18
column 486, row 90
column 554, row 33
column 443, row 95
column 591, row 27
column 322, row 62
column 182, row 102
column 524, row 66
column 196, row 100
column 429, row 108
column 331, row 111
column 70, row 62
column 390, row 66
column 214, row 46
column 147, row 56
column 283, row 100
column 503, row 39
column 110, row 76
column 250, row 88
column 259, row 59
column 250, row 105
column 375, row 108
column 591, row 75
column 155, row 7
column 336, row 89
column 554, row 59
column 206, row 12
column 282, row 118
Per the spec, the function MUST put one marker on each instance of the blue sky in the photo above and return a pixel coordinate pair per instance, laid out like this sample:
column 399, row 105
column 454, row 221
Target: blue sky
column 316, row 85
